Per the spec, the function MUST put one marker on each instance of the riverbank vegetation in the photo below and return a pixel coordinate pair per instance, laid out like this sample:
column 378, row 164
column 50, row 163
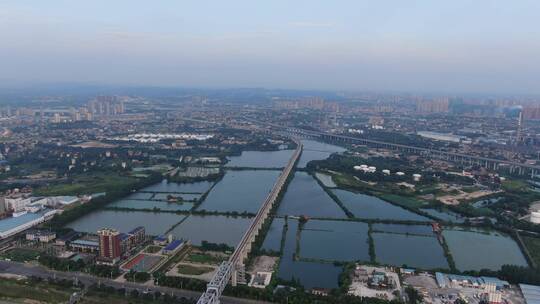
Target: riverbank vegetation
column 533, row 247
column 88, row 183
column 112, row 194
column 201, row 212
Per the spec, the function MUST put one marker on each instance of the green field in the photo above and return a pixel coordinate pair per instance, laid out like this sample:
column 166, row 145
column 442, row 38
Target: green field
column 152, row 249
column 533, row 246
column 101, row 296
column 21, row 255
column 348, row 181
column 193, row 270
column 87, row 184
column 514, row 185
column 406, row 201
column 203, row 258
column 470, row 189
column 30, row 292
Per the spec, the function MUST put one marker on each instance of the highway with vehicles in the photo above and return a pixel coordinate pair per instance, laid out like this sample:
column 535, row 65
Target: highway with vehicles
column 30, row 270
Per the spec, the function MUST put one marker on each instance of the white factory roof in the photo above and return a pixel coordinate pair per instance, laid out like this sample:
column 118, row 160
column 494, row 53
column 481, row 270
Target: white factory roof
column 531, row 293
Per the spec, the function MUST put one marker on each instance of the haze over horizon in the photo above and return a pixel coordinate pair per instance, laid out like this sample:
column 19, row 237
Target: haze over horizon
column 458, row 46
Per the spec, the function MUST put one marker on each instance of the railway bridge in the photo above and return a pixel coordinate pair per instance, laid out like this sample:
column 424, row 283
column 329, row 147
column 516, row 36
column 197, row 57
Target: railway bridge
column 233, row 270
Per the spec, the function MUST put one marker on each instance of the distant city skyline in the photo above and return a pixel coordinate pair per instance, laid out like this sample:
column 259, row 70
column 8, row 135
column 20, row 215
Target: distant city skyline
column 425, row 46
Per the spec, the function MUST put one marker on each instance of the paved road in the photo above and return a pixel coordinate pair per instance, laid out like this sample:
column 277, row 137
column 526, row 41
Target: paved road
column 42, row 272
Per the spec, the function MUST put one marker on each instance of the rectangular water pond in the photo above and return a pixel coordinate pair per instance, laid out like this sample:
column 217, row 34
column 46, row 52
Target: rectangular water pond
column 155, row 223
column 414, row 251
column 240, row 191
column 371, row 207
column 480, row 249
column 309, row 274
column 261, row 159
column 404, row 229
column 212, row 228
column 154, row 205
column 334, row 241
column 304, row 196
column 272, row 241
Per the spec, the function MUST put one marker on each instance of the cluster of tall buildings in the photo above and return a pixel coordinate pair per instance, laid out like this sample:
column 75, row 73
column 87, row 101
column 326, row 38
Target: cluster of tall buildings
column 101, row 106
column 314, row 103
column 531, row 112
column 437, row 105
column 106, row 106
column 6, row 112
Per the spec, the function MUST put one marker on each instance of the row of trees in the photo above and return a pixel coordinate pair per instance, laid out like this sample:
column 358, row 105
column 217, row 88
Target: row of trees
column 79, row 265
column 202, row 212
column 104, row 292
column 295, row 295
column 216, row 247
column 512, row 274
column 136, row 276
column 194, row 179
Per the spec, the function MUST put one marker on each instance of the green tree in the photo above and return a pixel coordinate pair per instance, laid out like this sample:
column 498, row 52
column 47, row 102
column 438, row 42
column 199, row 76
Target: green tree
column 413, row 295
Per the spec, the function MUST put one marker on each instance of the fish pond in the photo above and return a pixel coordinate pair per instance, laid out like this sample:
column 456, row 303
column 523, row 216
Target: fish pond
column 213, row 229
column 482, row 249
column 240, row 191
column 304, row 196
column 371, row 207
column 334, row 241
column 309, row 274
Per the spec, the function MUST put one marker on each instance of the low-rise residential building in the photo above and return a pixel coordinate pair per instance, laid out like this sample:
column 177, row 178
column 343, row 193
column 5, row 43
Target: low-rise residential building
column 86, row 245
column 16, row 204
column 43, row 236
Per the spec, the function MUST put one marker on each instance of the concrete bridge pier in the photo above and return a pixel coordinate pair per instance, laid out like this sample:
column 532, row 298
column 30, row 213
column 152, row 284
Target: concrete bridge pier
column 238, row 275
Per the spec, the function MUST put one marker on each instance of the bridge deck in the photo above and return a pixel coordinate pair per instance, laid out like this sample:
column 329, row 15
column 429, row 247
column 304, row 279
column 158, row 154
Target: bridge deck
column 227, row 269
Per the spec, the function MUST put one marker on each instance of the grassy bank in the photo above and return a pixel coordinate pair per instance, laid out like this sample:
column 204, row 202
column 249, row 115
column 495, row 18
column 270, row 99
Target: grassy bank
column 88, row 183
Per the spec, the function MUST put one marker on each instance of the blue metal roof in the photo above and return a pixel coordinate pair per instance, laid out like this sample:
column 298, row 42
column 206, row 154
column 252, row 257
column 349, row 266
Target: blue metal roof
column 408, row 269
column 13, row 222
column 85, row 243
column 173, row 245
column 441, row 279
column 496, row 281
column 136, row 229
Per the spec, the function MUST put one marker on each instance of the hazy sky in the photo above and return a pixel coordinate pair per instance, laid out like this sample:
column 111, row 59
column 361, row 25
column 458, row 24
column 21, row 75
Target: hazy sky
column 454, row 46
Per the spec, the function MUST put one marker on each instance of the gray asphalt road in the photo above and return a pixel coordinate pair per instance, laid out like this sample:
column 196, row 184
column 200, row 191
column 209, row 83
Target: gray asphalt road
column 42, row 272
